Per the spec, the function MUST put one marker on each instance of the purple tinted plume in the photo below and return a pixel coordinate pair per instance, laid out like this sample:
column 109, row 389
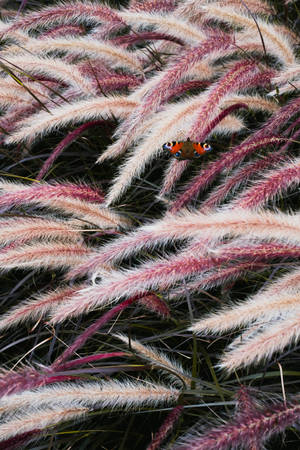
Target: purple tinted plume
column 63, row 30
column 244, row 432
column 241, row 176
column 236, row 78
column 16, row 441
column 75, row 12
column 227, row 161
column 47, row 191
column 25, row 379
column 154, row 5
column 166, row 427
column 129, row 39
column 160, row 92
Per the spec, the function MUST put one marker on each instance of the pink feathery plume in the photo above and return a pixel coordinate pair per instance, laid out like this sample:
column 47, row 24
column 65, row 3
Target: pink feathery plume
column 39, row 191
column 23, row 230
column 9, row 121
column 275, row 182
column 127, row 245
column 154, row 5
column 227, row 161
column 92, row 329
column 245, row 403
column 244, row 400
column 37, row 307
column 115, row 82
column 164, row 273
column 45, row 255
column 244, row 431
column 105, row 80
column 16, row 441
column 165, row 428
column 73, row 12
column 248, row 170
column 174, row 73
column 71, row 137
column 25, row 379
column 155, row 304
column 130, row 39
column 279, row 118
column 239, row 76
column 220, row 276
column 241, row 176
column 173, row 173
column 63, row 30
column 172, row 76
column 263, row 137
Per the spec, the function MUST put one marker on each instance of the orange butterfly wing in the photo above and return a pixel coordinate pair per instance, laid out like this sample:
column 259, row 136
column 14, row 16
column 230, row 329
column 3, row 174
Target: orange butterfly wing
column 176, row 146
column 198, row 148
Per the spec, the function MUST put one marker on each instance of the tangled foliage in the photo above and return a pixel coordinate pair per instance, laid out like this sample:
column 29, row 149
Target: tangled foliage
column 176, row 252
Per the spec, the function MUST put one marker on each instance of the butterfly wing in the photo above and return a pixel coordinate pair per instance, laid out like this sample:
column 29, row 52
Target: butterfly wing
column 198, row 148
column 174, row 148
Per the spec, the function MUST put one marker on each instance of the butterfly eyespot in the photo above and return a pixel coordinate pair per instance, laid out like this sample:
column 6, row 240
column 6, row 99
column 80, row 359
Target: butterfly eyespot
column 196, row 154
column 206, row 147
column 167, row 146
column 178, row 154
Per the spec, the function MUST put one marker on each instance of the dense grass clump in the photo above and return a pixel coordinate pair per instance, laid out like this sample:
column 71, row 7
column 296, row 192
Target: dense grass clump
column 150, row 225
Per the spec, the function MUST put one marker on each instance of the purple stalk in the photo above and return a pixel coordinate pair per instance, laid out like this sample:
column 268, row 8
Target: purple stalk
column 89, row 359
column 165, row 428
column 92, row 329
column 71, row 137
column 21, row 7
